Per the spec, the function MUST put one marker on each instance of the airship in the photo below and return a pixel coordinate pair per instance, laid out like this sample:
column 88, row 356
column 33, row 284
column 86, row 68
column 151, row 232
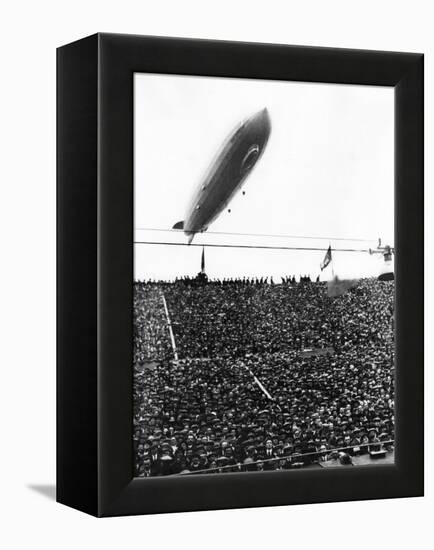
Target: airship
column 233, row 163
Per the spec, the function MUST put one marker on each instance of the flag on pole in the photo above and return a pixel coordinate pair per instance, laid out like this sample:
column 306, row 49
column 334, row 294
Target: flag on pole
column 327, row 258
column 202, row 263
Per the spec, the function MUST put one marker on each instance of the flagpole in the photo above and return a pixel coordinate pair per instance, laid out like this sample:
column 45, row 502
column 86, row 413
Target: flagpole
column 332, row 261
column 202, row 263
column 328, row 259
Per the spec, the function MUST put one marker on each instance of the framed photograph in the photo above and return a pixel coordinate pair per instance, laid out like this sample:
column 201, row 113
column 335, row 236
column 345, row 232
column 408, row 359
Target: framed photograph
column 240, row 275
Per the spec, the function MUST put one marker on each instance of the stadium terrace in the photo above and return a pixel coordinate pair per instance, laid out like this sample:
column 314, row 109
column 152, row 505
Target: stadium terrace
column 250, row 375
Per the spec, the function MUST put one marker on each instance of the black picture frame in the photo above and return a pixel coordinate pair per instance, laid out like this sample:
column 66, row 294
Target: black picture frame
column 95, row 273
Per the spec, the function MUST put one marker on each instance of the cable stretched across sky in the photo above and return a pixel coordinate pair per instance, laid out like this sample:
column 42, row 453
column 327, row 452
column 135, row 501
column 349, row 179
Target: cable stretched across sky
column 268, row 235
column 267, row 247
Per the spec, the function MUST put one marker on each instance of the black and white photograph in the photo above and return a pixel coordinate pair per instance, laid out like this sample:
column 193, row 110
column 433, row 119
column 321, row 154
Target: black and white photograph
column 263, row 275
column 217, row 263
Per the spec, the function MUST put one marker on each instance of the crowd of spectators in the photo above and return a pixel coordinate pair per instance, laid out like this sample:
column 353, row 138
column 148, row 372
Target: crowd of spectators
column 244, row 394
column 151, row 339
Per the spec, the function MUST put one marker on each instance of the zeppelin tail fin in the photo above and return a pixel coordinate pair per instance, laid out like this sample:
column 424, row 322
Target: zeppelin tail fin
column 179, row 225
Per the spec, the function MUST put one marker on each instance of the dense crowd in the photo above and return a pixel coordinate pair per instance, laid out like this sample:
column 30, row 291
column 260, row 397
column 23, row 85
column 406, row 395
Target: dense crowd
column 244, row 394
column 235, row 319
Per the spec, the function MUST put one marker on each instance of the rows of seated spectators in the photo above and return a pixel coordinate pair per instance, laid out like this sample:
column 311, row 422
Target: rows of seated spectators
column 244, row 396
column 151, row 339
column 232, row 320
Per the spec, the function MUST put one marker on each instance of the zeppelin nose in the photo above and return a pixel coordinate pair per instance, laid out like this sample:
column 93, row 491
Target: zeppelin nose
column 263, row 119
column 265, row 115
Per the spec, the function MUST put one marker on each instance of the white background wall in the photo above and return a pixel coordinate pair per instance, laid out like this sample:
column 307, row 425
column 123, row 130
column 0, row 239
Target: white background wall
column 29, row 34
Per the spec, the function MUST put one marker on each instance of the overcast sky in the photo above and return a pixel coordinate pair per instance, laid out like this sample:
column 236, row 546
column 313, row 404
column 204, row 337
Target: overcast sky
column 327, row 171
